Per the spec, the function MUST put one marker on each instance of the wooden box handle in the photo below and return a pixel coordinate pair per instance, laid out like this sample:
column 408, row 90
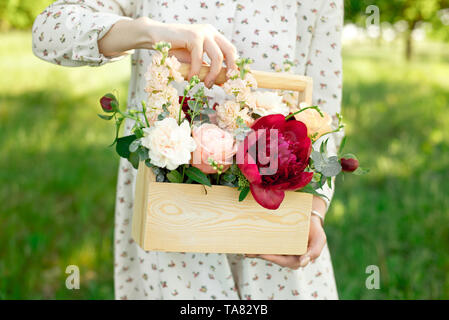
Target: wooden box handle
column 267, row 80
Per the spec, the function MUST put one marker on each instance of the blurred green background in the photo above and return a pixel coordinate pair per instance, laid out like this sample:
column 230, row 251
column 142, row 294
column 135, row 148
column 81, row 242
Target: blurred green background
column 57, row 175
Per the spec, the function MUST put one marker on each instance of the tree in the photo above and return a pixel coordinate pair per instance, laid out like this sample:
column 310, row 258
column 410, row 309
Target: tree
column 411, row 11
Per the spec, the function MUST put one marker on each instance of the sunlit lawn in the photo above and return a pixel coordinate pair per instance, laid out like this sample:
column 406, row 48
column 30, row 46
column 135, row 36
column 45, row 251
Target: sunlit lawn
column 57, row 176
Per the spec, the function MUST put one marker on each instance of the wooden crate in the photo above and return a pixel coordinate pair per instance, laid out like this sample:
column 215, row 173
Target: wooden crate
column 193, row 218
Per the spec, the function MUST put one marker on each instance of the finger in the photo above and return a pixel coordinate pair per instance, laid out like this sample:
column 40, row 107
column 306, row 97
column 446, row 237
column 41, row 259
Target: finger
column 304, row 260
column 228, row 49
column 316, row 245
column 216, row 57
column 181, row 54
column 284, row 261
column 196, row 56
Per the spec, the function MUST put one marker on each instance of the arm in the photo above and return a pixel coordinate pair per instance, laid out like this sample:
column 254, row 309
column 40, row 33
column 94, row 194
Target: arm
column 325, row 67
column 67, row 31
column 89, row 32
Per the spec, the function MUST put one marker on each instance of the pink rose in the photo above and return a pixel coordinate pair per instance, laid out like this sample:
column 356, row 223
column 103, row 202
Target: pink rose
column 212, row 143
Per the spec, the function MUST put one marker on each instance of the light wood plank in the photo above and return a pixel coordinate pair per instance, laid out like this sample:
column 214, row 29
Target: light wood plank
column 193, row 218
column 268, row 80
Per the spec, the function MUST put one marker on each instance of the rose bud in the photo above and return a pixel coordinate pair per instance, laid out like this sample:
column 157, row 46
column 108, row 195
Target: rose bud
column 349, row 165
column 108, row 103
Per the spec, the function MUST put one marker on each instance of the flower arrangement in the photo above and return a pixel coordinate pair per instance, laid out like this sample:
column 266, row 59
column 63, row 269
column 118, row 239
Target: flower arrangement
column 257, row 141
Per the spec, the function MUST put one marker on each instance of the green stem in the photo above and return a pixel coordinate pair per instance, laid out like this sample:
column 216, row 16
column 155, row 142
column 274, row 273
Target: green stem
column 304, row 109
column 183, row 172
column 218, row 178
column 336, row 130
column 144, row 108
column 180, row 108
column 194, row 114
column 137, row 119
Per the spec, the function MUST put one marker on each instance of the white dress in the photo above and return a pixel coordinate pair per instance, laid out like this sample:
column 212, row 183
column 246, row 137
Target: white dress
column 307, row 32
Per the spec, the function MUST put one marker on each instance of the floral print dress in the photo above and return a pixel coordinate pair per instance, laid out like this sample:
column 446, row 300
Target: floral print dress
column 306, row 32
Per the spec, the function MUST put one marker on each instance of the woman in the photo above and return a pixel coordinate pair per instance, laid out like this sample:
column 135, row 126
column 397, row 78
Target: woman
column 90, row 32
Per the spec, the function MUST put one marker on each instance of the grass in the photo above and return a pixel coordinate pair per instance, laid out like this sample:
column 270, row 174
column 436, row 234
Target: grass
column 57, row 176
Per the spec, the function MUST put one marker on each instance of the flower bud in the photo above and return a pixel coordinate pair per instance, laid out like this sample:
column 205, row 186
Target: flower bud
column 349, row 165
column 109, row 103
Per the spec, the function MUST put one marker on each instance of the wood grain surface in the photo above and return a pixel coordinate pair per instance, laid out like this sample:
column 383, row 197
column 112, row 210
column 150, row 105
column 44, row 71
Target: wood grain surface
column 193, row 218
column 268, row 80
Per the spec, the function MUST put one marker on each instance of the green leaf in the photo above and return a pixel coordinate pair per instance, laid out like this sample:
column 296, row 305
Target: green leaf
column 208, row 111
column 148, row 163
column 349, row 156
column 174, row 176
column 105, row 117
column 360, row 171
column 197, row 175
column 134, row 159
column 323, row 147
column 193, row 105
column 138, row 131
column 229, row 177
column 342, row 145
column 309, row 189
column 243, row 193
column 122, row 146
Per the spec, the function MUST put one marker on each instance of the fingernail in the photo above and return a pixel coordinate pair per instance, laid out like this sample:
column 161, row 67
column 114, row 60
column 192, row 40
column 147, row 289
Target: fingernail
column 304, row 261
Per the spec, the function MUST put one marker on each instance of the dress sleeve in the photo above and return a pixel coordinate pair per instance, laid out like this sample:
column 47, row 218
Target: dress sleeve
column 67, row 31
column 324, row 65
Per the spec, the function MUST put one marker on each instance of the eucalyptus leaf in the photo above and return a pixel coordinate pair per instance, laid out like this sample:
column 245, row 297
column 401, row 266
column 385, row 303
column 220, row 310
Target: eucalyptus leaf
column 143, row 153
column 148, row 163
column 133, row 146
column 332, row 167
column 329, row 167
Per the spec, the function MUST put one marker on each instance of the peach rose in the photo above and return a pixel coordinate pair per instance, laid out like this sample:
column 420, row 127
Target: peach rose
column 212, row 143
column 315, row 123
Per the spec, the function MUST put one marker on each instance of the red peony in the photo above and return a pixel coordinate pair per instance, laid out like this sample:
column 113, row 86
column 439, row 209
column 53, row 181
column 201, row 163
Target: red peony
column 185, row 106
column 292, row 154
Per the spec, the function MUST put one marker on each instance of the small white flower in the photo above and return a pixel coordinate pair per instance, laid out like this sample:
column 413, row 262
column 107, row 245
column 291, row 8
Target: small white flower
column 173, row 65
column 228, row 112
column 269, row 103
column 170, row 145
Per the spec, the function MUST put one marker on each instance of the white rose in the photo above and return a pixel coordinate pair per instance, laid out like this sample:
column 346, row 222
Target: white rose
column 170, row 145
column 270, row 103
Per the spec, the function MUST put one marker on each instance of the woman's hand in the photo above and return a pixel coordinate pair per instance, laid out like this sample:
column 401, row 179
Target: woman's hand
column 189, row 42
column 317, row 241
